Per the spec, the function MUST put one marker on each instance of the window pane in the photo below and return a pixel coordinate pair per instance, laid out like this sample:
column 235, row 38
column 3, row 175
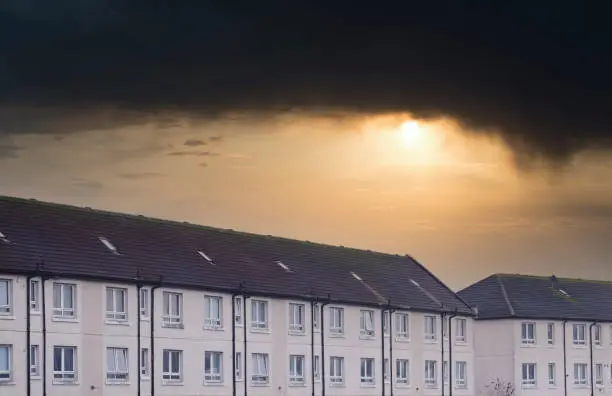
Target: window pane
column 4, row 358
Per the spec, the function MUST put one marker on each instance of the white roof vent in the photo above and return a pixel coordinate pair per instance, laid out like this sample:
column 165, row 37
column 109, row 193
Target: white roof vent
column 108, row 245
column 3, row 238
column 206, row 257
column 283, row 266
column 566, row 294
column 356, row 277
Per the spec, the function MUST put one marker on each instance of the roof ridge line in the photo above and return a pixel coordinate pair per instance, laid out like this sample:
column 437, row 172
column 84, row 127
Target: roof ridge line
column 505, row 294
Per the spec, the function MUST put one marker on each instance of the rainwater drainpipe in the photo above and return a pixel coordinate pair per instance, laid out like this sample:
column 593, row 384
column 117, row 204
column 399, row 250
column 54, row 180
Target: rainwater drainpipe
column 382, row 341
column 234, row 343
column 152, row 336
column 29, row 332
column 591, row 355
column 391, row 314
column 43, row 318
column 313, row 304
column 564, row 360
column 442, row 317
column 450, row 352
column 323, row 345
column 138, row 323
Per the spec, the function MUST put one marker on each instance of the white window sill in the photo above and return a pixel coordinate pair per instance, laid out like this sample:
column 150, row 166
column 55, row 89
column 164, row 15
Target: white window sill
column 64, row 319
column 402, row 339
column 145, row 378
column 172, row 383
column 337, row 384
column 7, row 383
column 297, row 384
column 145, row 319
column 212, row 383
column 527, row 345
column 367, row 336
column 260, row 384
column 120, row 383
column 461, row 343
column 337, row 335
column 297, row 332
column 431, row 341
column 68, row 383
column 239, row 325
column 402, row 385
column 260, row 330
column 362, row 385
column 172, row 325
column 7, row 317
column 35, row 313
column 117, row 322
column 239, row 379
column 213, row 328
column 528, row 386
column 579, row 345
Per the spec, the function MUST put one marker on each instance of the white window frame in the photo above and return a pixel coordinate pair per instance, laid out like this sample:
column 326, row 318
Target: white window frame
column 552, row 374
column 295, row 377
column 35, row 295
column 527, row 379
column 239, row 311
column 336, row 370
column 581, row 380
column 386, row 318
column 445, row 372
column 461, row 330
column 402, row 372
column 368, row 372
column 213, row 375
column 145, row 361
column 34, row 360
column 145, row 297
column 430, row 328
column 386, row 371
column 316, row 323
column 550, row 333
column 402, row 326
column 461, row 380
column 367, row 323
column 170, row 316
column 336, row 320
column 297, row 318
column 238, row 366
column 63, row 376
column 431, row 374
column 7, row 308
column 528, row 333
column 317, row 368
column 597, row 335
column 261, row 368
column 259, row 321
column 7, row 375
column 115, row 374
column 63, row 311
column 212, row 321
column 172, row 374
column 598, row 375
column 117, row 295
column 579, row 334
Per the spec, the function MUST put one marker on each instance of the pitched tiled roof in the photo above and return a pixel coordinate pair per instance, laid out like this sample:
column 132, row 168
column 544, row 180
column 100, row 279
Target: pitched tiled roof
column 540, row 297
column 66, row 240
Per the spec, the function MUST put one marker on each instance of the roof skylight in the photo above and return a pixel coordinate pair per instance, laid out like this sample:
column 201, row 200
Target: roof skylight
column 356, row 277
column 3, row 238
column 566, row 294
column 206, row 257
column 108, row 245
column 283, row 266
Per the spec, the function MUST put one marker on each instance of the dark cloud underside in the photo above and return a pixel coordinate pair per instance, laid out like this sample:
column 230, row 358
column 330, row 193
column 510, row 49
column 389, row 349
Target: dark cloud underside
column 539, row 71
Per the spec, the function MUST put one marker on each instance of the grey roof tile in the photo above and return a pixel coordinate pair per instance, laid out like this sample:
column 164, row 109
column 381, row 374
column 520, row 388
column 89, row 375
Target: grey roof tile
column 540, row 297
column 66, row 240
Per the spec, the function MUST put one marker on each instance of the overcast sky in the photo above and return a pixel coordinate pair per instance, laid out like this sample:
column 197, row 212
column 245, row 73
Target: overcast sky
column 475, row 139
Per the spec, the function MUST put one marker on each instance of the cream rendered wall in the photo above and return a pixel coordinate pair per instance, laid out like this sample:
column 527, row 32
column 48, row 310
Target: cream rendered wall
column 91, row 333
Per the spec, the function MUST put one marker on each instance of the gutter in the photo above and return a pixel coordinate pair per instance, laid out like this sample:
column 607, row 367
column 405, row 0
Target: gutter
column 591, row 355
column 323, row 304
column 450, row 353
column 564, row 360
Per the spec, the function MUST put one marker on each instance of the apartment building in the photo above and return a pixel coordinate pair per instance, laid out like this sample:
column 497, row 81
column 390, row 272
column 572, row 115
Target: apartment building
column 543, row 335
column 101, row 303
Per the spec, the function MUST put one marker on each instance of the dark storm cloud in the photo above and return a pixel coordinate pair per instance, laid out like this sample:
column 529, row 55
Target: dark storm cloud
column 537, row 71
